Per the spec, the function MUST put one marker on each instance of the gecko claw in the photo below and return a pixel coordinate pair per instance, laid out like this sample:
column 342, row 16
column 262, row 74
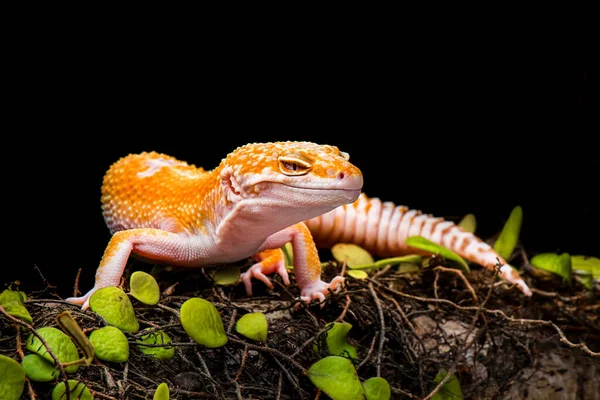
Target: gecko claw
column 318, row 290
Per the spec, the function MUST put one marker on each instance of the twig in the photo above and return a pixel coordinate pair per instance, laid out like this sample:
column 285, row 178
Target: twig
column 462, row 277
column 242, row 364
column 345, row 310
column 269, row 350
column 382, row 327
column 57, row 362
column 371, row 347
column 76, row 291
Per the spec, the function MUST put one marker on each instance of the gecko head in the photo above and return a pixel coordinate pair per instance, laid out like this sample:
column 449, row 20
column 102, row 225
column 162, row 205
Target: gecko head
column 302, row 175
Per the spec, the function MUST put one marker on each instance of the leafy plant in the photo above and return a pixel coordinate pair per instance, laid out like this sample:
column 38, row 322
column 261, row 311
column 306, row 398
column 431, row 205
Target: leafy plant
column 112, row 304
column 419, row 242
column 336, row 340
column 110, row 344
column 509, row 236
column 377, row 388
column 13, row 302
column 77, row 390
column 202, row 322
column 253, row 326
column 144, row 288
column 558, row 264
column 160, row 352
column 451, row 390
column 337, row 377
column 12, row 379
column 60, row 344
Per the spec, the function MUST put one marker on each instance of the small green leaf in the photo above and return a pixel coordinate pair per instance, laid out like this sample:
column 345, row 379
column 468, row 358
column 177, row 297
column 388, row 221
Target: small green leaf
column 77, row 389
column 419, row 242
column 411, row 258
column 144, row 287
column 555, row 263
column 337, row 340
column 468, row 223
column 38, row 369
column 586, row 263
column 288, row 253
column 12, row 379
column 110, row 344
column 352, row 254
column 112, row 304
column 162, row 392
column 509, row 236
column 158, row 337
column 13, row 302
column 202, row 322
column 408, row 268
column 253, row 326
column 358, row 274
column 337, row 377
column 61, row 345
column 451, row 389
column 584, row 278
column 377, row 388
column 226, row 275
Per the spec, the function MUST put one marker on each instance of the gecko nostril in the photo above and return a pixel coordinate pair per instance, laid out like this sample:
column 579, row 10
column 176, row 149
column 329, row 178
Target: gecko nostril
column 341, row 176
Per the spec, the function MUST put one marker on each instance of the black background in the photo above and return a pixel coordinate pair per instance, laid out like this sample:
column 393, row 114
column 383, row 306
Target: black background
column 447, row 140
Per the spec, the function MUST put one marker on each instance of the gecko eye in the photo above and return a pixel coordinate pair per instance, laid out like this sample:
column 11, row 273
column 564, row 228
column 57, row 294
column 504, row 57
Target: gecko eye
column 294, row 165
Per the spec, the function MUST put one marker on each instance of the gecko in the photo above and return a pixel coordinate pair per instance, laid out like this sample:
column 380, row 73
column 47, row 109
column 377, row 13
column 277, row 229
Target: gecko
column 261, row 196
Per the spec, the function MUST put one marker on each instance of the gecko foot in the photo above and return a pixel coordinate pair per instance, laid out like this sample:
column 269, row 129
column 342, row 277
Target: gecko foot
column 259, row 271
column 318, row 289
column 84, row 300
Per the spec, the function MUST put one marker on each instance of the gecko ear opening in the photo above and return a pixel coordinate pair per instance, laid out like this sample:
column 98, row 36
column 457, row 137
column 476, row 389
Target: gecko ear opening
column 294, row 164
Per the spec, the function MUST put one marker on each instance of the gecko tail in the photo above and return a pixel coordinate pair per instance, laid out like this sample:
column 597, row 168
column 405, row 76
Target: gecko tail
column 510, row 275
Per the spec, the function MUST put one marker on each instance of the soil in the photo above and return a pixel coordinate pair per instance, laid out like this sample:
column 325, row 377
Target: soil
column 406, row 326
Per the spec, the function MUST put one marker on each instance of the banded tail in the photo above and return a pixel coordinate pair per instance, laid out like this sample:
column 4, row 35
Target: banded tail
column 382, row 228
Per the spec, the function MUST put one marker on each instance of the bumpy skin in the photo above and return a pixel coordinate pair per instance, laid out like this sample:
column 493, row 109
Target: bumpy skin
column 261, row 196
column 166, row 211
column 383, row 227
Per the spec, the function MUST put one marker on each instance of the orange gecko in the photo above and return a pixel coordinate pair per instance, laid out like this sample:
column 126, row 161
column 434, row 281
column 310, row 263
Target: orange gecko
column 261, row 196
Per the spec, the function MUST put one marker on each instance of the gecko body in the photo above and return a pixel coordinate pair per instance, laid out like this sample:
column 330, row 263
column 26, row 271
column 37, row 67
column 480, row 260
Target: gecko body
column 261, row 196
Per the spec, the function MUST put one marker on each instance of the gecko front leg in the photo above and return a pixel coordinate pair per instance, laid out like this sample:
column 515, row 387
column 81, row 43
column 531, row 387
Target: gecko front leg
column 152, row 243
column 307, row 265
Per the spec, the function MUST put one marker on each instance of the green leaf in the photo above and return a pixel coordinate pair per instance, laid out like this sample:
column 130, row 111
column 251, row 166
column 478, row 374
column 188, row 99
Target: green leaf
column 509, row 236
column 38, row 369
column 352, row 254
column 336, row 340
column 411, row 258
column 422, row 243
column 162, row 392
column 202, row 322
column 226, row 275
column 377, row 388
column 451, row 389
column 110, row 344
column 144, row 287
column 468, row 223
column 77, row 389
column 586, row 263
column 158, row 337
column 253, row 326
column 61, row 345
column 13, row 302
column 112, row 304
column 358, row 274
column 337, row 377
column 12, row 379
column 559, row 264
column 288, row 253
